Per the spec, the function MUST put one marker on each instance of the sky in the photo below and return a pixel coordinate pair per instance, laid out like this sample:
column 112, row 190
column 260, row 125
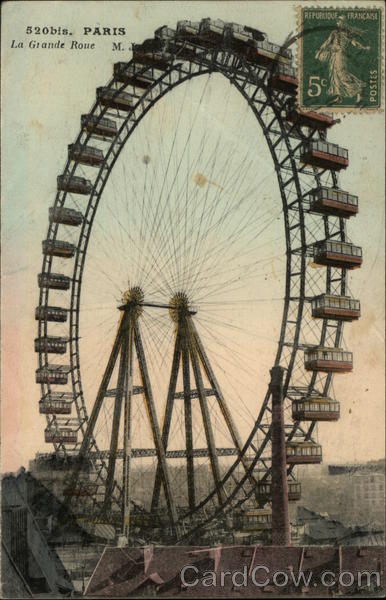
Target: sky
column 44, row 92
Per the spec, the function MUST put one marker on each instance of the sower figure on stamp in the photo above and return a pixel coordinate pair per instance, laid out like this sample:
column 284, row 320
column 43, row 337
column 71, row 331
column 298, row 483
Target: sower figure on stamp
column 335, row 50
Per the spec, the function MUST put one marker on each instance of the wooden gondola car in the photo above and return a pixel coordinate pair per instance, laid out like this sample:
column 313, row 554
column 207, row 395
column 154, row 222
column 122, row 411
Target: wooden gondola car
column 60, row 436
column 54, row 281
column 337, row 254
column 332, row 201
column 115, row 99
column 188, row 29
column 328, row 360
column 266, row 54
column 74, row 184
column 56, row 403
column 152, row 54
column 255, row 46
column 315, row 409
column 99, row 126
column 86, row 155
column 341, row 308
column 65, row 216
column 324, row 154
column 284, row 78
column 255, row 520
column 58, row 248
column 55, row 374
column 310, row 118
column 211, row 31
column 124, row 73
column 51, row 313
column 51, row 344
column 264, row 491
column 302, row 453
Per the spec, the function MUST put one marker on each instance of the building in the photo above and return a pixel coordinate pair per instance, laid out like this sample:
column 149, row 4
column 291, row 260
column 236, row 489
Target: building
column 318, row 529
column 29, row 564
column 356, row 493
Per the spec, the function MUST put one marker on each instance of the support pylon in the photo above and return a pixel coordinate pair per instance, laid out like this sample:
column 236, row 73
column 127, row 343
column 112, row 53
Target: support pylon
column 189, row 354
column 127, row 347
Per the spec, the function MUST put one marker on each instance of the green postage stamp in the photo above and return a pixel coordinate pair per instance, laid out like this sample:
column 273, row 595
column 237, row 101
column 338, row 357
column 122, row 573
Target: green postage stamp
column 340, row 58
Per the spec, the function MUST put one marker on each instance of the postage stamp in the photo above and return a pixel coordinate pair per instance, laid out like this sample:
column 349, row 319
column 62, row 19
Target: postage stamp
column 340, row 58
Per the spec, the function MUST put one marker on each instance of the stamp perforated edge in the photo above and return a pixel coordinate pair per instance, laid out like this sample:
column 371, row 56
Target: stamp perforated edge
column 381, row 60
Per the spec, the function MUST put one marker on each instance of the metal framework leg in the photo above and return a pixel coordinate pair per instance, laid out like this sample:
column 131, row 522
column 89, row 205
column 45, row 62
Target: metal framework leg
column 155, row 429
column 167, row 419
column 215, row 386
column 207, row 426
column 128, row 398
column 88, row 436
column 188, row 428
column 121, row 392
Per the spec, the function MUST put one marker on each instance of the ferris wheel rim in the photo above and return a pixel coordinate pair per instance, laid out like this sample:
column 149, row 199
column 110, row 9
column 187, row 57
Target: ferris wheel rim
column 81, row 254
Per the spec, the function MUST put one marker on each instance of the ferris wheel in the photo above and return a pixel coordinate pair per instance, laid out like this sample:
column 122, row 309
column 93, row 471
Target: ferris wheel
column 169, row 286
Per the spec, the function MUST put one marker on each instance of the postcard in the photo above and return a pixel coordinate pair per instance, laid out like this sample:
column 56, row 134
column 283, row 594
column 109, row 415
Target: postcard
column 193, row 219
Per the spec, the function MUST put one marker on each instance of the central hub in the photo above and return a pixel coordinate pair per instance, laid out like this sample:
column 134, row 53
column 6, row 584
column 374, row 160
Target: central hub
column 133, row 299
column 179, row 306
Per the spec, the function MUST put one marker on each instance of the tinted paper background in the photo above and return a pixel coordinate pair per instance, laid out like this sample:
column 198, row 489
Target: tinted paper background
column 44, row 92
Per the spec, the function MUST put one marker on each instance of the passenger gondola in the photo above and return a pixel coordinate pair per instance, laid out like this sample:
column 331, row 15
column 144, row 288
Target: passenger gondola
column 58, row 248
column 264, row 491
column 328, row 360
column 310, row 118
column 302, row 453
column 115, row 99
column 284, row 78
column 56, row 403
column 51, row 313
column 87, row 155
column 60, row 436
column 259, row 519
column 124, row 73
column 74, row 184
column 315, row 409
column 55, row 374
column 100, row 127
column 65, row 216
column 151, row 53
column 54, row 281
column 337, row 254
column 332, row 201
column 51, row 344
column 340, row 308
column 324, row 154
